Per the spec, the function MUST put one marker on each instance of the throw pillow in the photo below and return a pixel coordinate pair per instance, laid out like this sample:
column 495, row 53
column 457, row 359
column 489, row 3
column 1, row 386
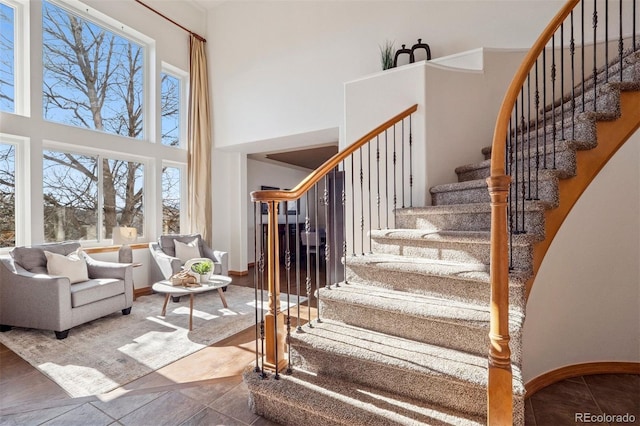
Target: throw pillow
column 71, row 266
column 186, row 251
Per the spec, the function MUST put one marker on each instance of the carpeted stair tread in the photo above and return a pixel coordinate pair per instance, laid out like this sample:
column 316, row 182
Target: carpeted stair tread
column 466, row 217
column 375, row 351
column 465, row 237
column 562, row 160
column 307, row 399
column 471, row 208
column 403, row 303
column 433, row 320
column 430, row 267
column 545, row 189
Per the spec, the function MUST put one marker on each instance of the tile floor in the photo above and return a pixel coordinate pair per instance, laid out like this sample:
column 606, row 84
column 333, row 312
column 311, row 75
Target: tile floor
column 206, row 388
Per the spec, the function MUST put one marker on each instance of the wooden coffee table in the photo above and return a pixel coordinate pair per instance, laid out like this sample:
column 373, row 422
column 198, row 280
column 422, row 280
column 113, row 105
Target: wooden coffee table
column 216, row 282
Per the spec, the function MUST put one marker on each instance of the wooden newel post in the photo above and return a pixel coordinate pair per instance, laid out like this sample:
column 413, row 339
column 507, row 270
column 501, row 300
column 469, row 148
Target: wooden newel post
column 275, row 354
column 500, row 387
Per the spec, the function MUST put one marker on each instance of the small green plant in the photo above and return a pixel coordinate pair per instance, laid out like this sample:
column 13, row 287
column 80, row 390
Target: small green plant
column 202, row 268
column 386, row 55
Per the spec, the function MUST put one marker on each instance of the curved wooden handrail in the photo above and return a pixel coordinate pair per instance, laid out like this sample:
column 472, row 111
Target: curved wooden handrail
column 315, row 176
column 498, row 146
column 499, row 389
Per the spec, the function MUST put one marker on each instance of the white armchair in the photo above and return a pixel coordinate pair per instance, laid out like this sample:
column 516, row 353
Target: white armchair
column 165, row 262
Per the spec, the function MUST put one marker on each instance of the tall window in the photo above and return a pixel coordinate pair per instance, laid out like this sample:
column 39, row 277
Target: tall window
column 171, row 190
column 92, row 77
column 7, row 195
column 73, row 194
column 171, row 107
column 7, row 58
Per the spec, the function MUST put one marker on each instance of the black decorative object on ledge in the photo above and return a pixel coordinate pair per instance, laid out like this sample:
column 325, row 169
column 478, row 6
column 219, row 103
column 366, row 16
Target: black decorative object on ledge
column 402, row 51
column 420, row 45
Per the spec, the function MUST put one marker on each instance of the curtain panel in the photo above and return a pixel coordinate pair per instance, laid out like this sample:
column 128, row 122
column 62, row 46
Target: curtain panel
column 199, row 208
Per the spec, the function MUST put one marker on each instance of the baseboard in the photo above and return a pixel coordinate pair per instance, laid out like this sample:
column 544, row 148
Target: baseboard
column 239, row 273
column 577, row 370
column 144, row 291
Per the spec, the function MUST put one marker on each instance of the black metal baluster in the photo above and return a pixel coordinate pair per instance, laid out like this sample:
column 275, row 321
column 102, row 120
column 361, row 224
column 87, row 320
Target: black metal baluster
column 327, row 233
column 307, row 280
column 335, row 226
column 537, row 106
column 386, row 176
column 606, row 41
column 395, row 185
column 553, row 99
column 523, row 183
column 255, row 279
column 595, row 56
column 528, row 130
column 621, row 41
column 633, row 32
column 572, row 52
column 410, row 163
column 344, row 225
column 509, row 169
column 582, row 48
column 353, row 209
column 378, row 177
column 287, row 266
column 274, row 205
column 361, row 203
column 298, row 241
column 514, row 183
column 317, row 245
column 561, row 88
column 402, row 175
column 261, row 270
column 369, row 192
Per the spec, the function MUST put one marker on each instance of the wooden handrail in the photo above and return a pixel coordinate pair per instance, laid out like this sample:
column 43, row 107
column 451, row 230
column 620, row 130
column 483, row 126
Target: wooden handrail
column 498, row 147
column 315, row 176
column 500, row 376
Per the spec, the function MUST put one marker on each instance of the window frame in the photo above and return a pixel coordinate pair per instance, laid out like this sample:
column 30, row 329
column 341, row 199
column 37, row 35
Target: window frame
column 183, row 78
column 183, row 192
column 22, row 187
column 148, row 44
column 21, row 59
column 100, row 154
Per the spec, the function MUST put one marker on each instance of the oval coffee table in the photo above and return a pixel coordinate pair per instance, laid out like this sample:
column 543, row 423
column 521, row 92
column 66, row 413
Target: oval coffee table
column 216, row 282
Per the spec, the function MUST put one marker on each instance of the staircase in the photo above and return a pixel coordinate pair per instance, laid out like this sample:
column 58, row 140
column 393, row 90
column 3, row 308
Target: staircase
column 404, row 339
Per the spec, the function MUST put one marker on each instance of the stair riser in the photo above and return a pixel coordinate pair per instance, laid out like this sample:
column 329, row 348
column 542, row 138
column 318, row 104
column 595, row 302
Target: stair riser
column 436, row 286
column 534, row 222
column 449, row 251
column 278, row 410
column 472, row 339
column 547, row 192
column 434, row 389
column 563, row 162
column 459, row 290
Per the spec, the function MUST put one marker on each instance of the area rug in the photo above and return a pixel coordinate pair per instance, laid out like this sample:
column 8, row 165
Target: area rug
column 114, row 350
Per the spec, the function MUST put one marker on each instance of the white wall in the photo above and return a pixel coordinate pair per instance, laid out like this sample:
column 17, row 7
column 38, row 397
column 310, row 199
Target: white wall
column 278, row 67
column 585, row 303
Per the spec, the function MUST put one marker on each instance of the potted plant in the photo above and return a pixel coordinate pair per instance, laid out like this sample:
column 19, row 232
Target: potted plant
column 386, row 55
column 203, row 269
